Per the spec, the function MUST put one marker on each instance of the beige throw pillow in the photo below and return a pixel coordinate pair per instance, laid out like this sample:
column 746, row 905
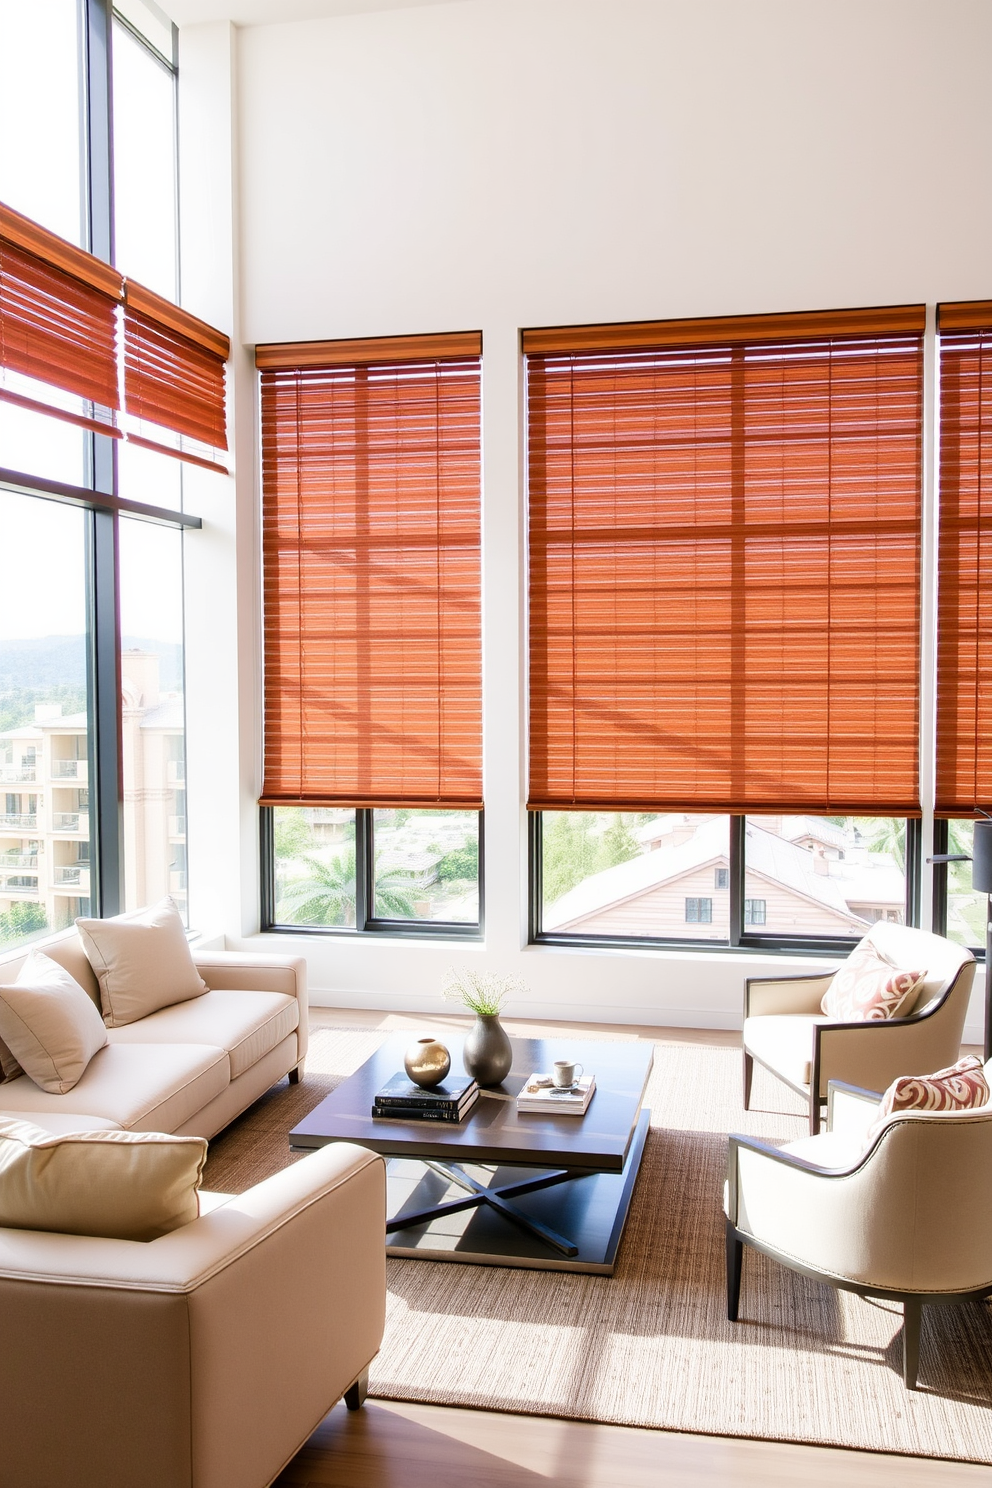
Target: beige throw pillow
column 142, row 962
column 49, row 1024
column 116, row 1184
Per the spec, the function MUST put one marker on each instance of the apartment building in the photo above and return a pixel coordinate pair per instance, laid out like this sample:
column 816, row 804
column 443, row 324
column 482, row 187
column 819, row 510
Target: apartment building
column 45, row 822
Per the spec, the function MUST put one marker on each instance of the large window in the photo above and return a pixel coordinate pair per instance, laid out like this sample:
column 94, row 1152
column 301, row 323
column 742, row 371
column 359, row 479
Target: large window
column 45, row 709
column 340, row 869
column 725, row 610
column 91, row 635
column 371, row 539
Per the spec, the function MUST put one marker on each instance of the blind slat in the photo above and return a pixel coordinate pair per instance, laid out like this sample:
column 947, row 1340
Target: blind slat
column 964, row 594
column 725, row 577
column 170, row 378
column 56, row 328
column 371, row 545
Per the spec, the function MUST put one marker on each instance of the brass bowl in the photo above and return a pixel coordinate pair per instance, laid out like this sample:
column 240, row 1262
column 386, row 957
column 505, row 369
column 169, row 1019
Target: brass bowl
column 427, row 1062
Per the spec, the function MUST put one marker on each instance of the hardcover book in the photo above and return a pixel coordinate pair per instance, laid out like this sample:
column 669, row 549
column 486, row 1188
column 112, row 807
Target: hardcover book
column 451, row 1113
column 452, row 1092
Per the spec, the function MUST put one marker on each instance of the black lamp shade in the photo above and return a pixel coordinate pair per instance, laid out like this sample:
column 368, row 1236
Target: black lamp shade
column 981, row 858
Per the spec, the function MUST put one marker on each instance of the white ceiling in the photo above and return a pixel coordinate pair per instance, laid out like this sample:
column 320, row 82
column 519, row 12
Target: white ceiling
column 263, row 12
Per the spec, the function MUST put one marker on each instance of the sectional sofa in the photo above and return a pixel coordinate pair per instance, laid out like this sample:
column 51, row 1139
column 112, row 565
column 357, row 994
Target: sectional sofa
column 190, row 1068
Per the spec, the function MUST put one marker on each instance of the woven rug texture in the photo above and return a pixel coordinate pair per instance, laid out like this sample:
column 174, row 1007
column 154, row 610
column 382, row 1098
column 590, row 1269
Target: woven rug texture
column 651, row 1345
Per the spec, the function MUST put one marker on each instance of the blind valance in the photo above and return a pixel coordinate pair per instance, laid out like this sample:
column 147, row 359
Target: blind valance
column 724, row 559
column 964, row 594
column 371, row 546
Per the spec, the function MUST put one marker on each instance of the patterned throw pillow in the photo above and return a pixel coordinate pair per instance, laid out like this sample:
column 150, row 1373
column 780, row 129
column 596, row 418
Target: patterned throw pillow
column 869, row 989
column 961, row 1087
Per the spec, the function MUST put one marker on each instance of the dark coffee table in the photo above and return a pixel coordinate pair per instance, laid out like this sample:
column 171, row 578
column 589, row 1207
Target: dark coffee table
column 502, row 1188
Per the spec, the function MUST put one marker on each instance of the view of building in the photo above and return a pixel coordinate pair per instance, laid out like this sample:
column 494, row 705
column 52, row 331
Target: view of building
column 45, row 822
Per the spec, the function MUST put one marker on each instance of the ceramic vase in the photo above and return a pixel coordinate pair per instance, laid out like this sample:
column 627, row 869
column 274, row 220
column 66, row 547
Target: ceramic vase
column 427, row 1062
column 487, row 1055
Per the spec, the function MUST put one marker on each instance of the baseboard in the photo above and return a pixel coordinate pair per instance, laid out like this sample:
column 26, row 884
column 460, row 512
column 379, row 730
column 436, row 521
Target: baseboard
column 541, row 1011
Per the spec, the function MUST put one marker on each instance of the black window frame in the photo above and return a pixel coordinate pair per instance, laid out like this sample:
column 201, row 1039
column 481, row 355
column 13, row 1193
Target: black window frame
column 366, row 923
column 740, row 938
column 98, row 496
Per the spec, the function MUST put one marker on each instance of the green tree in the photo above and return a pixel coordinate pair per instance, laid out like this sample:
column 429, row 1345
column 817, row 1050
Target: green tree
column 326, row 895
column 461, row 863
column 619, row 842
column 886, row 834
column 292, row 833
column 21, row 920
column 572, row 850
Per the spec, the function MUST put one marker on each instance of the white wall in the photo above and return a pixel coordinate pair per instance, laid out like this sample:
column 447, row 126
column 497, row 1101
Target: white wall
column 506, row 163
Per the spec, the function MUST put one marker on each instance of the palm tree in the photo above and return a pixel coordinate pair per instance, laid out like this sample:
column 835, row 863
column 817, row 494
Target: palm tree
column 326, row 895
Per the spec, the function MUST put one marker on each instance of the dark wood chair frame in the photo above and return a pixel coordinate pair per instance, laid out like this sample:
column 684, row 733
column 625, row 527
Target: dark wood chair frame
column 912, row 1302
column 820, row 1032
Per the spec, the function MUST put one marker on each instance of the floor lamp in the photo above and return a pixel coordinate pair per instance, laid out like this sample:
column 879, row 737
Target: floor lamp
column 981, row 881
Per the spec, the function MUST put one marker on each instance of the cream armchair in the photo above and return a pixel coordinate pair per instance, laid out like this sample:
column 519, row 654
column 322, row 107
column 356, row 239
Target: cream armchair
column 203, row 1359
column 906, row 1215
column 786, row 1032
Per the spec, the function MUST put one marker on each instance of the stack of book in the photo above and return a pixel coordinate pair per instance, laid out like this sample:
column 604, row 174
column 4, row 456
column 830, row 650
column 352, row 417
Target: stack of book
column 401, row 1100
column 540, row 1093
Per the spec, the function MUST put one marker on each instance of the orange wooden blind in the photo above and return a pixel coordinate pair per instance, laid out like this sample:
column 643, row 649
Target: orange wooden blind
column 964, row 585
column 58, row 320
column 173, row 369
column 724, row 558
column 371, row 501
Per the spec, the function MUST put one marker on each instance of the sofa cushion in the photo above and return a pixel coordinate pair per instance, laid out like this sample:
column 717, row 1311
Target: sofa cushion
column 784, row 1041
column 142, row 962
column 58, row 1123
column 116, row 1184
column 143, row 1087
column 49, row 1024
column 246, row 1024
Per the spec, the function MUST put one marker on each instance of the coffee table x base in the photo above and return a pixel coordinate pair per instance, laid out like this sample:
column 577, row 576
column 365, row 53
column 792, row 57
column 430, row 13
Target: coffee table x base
column 479, row 1193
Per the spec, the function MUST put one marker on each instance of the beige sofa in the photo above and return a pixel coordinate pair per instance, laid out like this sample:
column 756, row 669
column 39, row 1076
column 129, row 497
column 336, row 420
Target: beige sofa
column 190, row 1068
column 202, row 1359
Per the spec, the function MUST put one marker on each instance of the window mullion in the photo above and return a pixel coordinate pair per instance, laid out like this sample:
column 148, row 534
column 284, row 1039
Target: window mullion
column 364, row 869
column 737, row 865
column 105, row 798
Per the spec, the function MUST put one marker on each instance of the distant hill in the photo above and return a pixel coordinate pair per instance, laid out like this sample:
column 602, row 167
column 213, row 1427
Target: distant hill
column 53, row 669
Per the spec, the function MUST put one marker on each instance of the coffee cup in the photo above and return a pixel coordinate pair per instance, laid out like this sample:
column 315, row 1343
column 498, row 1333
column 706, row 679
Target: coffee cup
column 565, row 1073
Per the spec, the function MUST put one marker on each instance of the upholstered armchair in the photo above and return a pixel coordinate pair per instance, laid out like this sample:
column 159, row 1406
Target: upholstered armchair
column 905, row 1214
column 202, row 1359
column 786, row 1032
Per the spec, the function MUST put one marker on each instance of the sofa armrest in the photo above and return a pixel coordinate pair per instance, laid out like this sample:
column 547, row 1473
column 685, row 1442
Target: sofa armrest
column 244, row 971
column 794, row 994
column 190, row 1256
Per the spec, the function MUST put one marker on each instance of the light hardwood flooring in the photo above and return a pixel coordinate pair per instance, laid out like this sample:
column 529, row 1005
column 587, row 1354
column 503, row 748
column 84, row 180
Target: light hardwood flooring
column 391, row 1445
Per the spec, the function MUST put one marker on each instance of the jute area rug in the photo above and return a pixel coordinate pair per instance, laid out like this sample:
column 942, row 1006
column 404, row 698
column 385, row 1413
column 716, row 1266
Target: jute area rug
column 651, row 1346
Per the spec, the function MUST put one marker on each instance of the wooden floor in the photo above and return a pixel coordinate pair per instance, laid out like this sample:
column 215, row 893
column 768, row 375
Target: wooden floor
column 391, row 1445
column 388, row 1445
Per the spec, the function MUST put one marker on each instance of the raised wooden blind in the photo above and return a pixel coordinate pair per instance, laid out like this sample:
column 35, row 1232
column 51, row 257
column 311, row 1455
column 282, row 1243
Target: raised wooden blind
column 58, row 321
column 371, row 544
column 173, row 372
column 724, row 558
column 964, row 590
